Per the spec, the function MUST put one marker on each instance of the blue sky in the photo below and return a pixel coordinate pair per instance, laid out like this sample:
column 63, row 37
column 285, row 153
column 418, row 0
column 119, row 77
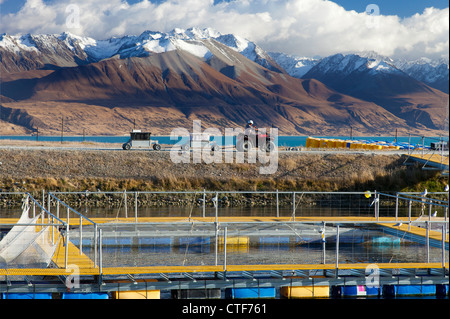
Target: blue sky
column 404, row 28
column 402, row 8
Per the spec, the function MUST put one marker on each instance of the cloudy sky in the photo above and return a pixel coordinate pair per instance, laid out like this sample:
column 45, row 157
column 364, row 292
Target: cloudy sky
column 397, row 28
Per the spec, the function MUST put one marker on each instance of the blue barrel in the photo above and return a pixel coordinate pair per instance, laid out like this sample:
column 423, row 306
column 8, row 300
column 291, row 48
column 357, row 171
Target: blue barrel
column 27, row 296
column 354, row 291
column 373, row 291
column 415, row 290
column 441, row 290
column 85, row 295
column 336, row 291
column 243, row 293
column 389, row 291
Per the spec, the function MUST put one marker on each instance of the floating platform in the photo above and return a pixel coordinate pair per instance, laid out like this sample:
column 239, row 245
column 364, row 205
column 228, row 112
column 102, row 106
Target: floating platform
column 434, row 161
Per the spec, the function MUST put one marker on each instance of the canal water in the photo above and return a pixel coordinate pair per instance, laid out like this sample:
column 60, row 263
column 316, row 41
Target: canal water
column 286, row 141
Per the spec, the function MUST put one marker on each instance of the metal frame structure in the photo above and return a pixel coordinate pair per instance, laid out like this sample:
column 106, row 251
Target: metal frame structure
column 232, row 276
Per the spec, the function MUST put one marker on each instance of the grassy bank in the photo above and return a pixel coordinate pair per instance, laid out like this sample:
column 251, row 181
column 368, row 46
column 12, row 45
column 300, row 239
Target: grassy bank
column 109, row 170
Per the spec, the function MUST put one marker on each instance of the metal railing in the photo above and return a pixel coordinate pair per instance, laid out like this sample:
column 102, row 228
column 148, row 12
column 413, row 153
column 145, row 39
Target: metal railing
column 423, row 150
column 80, row 224
column 290, row 203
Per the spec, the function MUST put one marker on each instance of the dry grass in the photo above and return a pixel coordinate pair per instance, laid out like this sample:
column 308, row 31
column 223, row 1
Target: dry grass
column 68, row 170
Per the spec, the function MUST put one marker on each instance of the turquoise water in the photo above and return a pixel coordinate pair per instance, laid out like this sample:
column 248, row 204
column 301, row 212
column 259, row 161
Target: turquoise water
column 287, row 141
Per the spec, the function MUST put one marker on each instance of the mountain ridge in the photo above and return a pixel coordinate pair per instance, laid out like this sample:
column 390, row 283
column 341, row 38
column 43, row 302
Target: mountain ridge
column 224, row 80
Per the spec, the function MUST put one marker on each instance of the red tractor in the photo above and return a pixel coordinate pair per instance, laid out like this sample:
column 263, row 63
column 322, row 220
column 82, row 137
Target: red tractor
column 251, row 139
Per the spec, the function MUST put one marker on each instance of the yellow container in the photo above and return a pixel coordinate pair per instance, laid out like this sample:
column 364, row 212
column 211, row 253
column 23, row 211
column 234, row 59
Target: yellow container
column 323, row 143
column 341, row 144
column 236, row 244
column 315, row 143
column 235, row 240
column 308, row 142
column 305, row 292
column 331, row 144
column 356, row 145
column 138, row 294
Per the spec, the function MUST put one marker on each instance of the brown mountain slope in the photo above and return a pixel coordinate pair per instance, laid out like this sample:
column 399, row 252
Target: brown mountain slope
column 171, row 89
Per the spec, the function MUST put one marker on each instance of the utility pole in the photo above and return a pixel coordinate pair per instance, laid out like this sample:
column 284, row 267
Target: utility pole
column 62, row 129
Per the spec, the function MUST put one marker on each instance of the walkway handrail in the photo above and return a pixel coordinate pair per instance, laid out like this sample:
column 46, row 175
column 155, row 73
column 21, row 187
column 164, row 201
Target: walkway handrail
column 425, row 198
column 45, row 210
column 80, row 228
column 70, row 208
column 415, row 200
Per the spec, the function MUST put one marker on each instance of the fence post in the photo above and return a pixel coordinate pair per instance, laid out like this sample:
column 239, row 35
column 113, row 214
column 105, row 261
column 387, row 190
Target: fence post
column 215, row 245
column 377, row 206
column 135, row 206
column 375, row 203
column 409, row 215
column 443, row 245
column 429, row 210
column 100, row 251
column 125, row 199
column 217, row 206
column 81, row 235
column 48, row 202
column 337, row 249
column 323, row 245
column 278, row 207
column 66, row 252
column 293, row 206
column 225, row 249
column 204, row 203
column 396, row 206
column 427, row 224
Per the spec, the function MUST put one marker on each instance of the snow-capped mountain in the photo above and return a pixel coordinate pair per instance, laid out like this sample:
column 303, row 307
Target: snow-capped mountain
column 431, row 72
column 294, row 65
column 80, row 50
column 342, row 64
column 434, row 73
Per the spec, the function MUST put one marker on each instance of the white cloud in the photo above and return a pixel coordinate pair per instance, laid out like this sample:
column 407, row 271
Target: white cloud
column 303, row 27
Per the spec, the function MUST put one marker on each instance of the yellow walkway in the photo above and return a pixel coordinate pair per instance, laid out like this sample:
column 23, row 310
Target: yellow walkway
column 194, row 269
column 417, row 231
column 432, row 160
column 74, row 257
